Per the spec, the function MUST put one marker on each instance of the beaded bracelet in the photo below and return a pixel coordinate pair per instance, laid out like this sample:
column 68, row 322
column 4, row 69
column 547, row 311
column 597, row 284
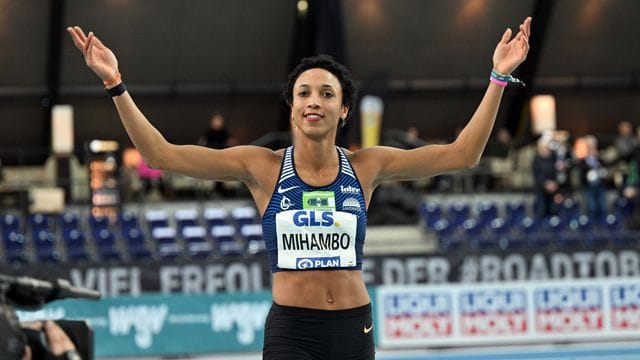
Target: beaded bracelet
column 503, row 80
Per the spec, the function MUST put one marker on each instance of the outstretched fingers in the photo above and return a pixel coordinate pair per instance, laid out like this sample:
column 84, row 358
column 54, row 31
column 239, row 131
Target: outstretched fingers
column 77, row 41
column 506, row 36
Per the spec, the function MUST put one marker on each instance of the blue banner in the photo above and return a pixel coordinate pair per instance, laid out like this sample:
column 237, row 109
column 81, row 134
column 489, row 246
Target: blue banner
column 168, row 324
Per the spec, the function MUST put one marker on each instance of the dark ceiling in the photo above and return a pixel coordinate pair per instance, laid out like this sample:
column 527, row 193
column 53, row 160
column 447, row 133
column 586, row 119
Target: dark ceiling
column 207, row 47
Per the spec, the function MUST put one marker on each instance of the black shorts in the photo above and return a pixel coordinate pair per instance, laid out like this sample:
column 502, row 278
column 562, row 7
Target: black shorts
column 307, row 334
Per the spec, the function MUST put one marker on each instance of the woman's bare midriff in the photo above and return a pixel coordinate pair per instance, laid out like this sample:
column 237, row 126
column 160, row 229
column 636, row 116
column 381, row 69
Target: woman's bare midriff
column 320, row 289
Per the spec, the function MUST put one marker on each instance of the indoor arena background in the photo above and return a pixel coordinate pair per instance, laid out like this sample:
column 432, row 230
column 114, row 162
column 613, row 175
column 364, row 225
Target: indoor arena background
column 468, row 265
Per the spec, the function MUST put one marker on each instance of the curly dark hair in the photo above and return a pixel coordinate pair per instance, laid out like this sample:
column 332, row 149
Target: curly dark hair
column 327, row 62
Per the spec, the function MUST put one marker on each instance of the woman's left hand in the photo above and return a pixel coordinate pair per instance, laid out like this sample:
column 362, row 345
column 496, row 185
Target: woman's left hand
column 512, row 52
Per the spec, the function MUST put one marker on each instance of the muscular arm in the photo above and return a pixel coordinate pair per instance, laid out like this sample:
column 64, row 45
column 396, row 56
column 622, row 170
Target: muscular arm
column 429, row 160
column 240, row 163
column 197, row 161
column 383, row 163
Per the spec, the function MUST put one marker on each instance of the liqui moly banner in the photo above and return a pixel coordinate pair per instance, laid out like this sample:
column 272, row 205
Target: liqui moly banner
column 508, row 313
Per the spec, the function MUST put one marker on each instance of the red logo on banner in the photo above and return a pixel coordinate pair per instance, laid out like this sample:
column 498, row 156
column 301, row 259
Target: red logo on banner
column 417, row 315
column 625, row 307
column 569, row 309
column 493, row 312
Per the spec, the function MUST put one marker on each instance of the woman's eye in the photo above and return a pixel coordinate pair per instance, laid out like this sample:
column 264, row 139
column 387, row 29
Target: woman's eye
column 327, row 94
column 303, row 93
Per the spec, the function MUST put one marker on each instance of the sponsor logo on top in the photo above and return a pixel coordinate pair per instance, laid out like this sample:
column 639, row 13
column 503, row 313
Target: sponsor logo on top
column 317, row 262
column 319, row 200
column 493, row 312
column 351, row 204
column 349, row 189
column 417, row 315
column 625, row 306
column 304, row 218
column 568, row 309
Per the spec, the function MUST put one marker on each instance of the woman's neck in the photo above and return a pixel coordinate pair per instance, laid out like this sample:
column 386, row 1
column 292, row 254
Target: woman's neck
column 315, row 155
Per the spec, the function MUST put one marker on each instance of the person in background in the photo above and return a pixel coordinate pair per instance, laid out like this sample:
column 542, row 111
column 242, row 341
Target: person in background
column 625, row 142
column 217, row 137
column 151, row 179
column 545, row 179
column 594, row 172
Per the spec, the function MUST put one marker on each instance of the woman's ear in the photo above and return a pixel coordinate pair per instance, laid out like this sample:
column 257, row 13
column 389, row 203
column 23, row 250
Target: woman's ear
column 344, row 112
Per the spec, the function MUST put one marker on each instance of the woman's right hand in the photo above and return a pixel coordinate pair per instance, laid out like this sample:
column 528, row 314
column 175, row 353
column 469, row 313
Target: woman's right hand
column 98, row 57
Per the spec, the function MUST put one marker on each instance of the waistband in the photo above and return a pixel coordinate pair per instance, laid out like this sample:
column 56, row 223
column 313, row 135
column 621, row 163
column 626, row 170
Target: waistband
column 321, row 314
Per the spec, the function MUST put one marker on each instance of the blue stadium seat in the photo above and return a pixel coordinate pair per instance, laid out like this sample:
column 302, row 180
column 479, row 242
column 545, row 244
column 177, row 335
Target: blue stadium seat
column 75, row 242
column 487, row 211
column 45, row 245
column 254, row 238
column 515, row 212
column 532, row 232
column 472, row 234
column 458, row 212
column 215, row 217
column 430, row 212
column 623, row 207
column 127, row 220
column 244, row 216
column 10, row 223
column 167, row 242
column 14, row 246
column 550, row 232
column 569, row 209
column 39, row 222
column 225, row 241
column 447, row 239
column 136, row 243
column 97, row 224
column 186, row 217
column 196, row 241
column 501, row 232
column 68, row 221
column 156, row 219
column 106, row 245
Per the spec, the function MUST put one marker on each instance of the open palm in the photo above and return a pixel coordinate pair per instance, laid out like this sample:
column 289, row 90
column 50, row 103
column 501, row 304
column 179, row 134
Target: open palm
column 98, row 57
column 510, row 52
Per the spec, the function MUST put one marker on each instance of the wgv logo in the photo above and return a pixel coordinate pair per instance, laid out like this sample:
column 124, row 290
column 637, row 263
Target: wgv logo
column 146, row 320
column 349, row 189
column 248, row 317
column 304, row 218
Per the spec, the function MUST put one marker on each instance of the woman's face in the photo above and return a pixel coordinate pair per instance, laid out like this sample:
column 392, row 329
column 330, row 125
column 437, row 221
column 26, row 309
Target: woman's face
column 317, row 103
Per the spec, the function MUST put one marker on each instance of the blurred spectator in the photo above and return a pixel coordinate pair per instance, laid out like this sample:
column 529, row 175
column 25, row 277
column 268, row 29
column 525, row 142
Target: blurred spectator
column 151, row 180
column 545, row 179
column 564, row 161
column 593, row 175
column 625, row 142
column 500, row 145
column 217, row 137
column 498, row 159
column 412, row 138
